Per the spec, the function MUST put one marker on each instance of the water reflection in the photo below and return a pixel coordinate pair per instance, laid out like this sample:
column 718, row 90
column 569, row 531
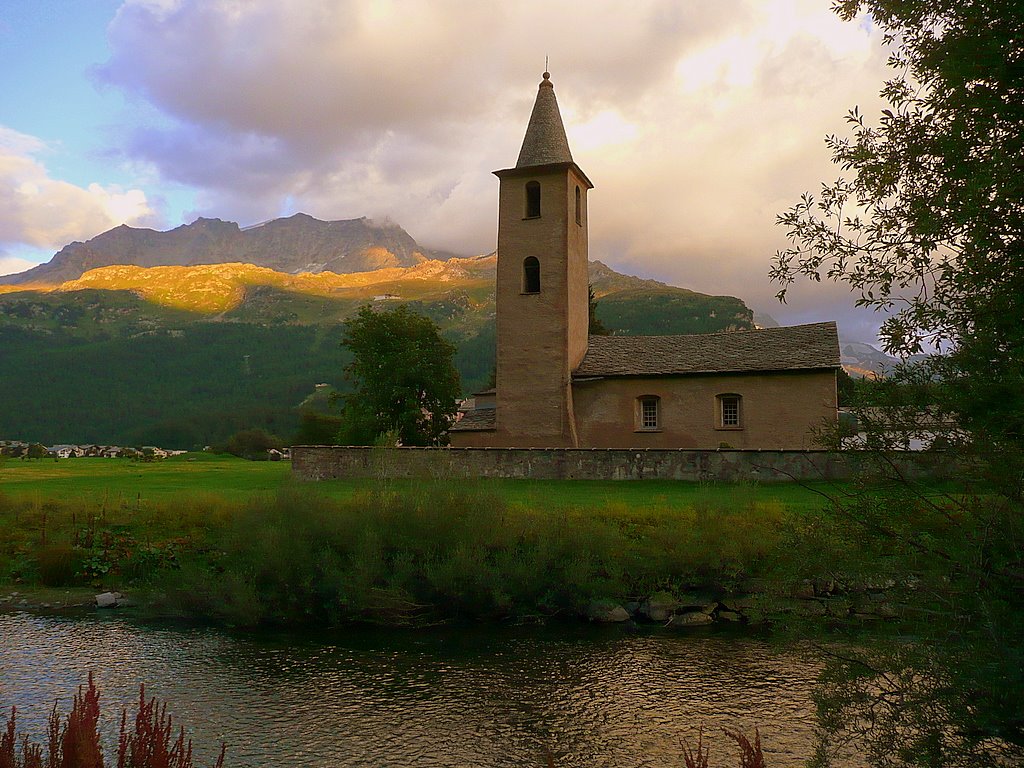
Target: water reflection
column 477, row 697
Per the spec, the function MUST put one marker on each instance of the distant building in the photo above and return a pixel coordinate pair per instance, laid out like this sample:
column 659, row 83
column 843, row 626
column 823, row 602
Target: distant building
column 559, row 387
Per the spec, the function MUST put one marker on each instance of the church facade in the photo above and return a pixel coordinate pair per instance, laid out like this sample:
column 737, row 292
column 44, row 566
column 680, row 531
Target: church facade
column 557, row 387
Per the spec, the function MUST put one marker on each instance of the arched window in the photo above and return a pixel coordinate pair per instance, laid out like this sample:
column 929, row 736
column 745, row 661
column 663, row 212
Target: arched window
column 531, row 275
column 648, row 413
column 579, row 206
column 730, row 411
column 532, row 199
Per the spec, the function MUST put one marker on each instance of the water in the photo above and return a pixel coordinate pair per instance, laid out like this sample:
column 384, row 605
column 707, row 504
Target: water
column 452, row 698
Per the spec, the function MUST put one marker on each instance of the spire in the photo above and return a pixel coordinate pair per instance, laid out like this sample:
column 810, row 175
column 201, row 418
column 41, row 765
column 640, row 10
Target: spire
column 545, row 140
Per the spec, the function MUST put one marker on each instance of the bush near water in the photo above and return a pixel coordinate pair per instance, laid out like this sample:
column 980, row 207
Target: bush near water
column 394, row 552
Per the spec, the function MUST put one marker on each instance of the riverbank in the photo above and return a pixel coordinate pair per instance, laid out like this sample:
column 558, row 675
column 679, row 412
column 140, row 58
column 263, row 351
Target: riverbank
column 37, row 599
column 418, row 553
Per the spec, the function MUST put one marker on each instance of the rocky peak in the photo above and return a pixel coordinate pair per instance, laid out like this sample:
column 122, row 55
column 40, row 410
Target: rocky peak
column 297, row 243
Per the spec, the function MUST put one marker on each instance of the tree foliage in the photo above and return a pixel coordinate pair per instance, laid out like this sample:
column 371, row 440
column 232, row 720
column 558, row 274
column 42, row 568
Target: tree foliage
column 596, row 327
column 252, row 444
column 404, row 376
column 927, row 224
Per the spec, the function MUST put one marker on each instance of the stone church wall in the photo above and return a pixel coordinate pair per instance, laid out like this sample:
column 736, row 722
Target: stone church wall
column 328, row 462
column 778, row 411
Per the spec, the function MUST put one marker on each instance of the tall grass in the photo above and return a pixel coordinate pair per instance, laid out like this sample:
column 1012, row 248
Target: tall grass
column 439, row 550
column 75, row 741
column 751, row 755
column 390, row 552
column 107, row 542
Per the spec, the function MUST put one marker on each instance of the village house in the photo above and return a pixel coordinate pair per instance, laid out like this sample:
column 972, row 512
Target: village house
column 558, row 387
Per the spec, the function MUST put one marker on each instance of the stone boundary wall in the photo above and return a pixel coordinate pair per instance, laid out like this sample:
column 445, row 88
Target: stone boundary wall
column 325, row 462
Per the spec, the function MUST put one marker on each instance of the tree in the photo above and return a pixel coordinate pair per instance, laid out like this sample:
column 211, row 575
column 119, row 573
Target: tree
column 929, row 227
column 597, row 328
column 319, row 422
column 404, row 376
column 251, row 444
column 926, row 226
column 37, row 451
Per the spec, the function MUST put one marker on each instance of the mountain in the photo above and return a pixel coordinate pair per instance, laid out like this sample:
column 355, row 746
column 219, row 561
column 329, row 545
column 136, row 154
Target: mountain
column 299, row 243
column 192, row 339
column 862, row 360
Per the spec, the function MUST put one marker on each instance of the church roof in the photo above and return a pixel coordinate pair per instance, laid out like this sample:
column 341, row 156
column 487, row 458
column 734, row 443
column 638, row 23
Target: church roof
column 797, row 347
column 545, row 141
column 480, row 420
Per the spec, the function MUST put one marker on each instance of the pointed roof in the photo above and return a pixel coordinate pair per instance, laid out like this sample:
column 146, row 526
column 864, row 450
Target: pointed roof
column 545, row 141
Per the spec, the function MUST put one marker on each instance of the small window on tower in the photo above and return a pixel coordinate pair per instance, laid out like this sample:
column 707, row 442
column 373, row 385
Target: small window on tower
column 531, row 275
column 533, row 199
column 579, row 206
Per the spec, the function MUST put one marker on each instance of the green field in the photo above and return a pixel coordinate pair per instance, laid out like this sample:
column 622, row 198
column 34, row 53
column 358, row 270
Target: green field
column 121, row 480
column 241, row 542
column 198, row 476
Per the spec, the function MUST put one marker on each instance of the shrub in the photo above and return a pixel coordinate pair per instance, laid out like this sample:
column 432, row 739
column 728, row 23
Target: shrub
column 252, row 444
column 57, row 564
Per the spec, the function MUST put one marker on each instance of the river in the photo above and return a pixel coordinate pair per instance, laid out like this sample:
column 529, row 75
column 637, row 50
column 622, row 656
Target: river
column 480, row 696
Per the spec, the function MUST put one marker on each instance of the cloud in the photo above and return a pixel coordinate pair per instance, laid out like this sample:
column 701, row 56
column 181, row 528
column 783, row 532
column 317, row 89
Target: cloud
column 698, row 122
column 10, row 265
column 41, row 212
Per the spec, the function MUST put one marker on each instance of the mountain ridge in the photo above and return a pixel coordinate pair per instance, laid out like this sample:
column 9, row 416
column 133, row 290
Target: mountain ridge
column 214, row 328
column 293, row 244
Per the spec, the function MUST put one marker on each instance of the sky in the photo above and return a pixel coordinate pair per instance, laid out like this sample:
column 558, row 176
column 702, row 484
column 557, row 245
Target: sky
column 698, row 122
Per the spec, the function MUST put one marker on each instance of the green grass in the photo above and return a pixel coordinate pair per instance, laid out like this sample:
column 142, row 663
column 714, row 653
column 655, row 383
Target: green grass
column 117, row 481
column 199, row 475
column 242, row 543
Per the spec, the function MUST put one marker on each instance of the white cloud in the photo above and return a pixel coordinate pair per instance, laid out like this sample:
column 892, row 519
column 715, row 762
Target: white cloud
column 9, row 265
column 39, row 211
column 698, row 122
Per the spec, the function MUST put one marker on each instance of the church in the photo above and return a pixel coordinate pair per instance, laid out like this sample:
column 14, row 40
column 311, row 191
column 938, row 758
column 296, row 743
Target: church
column 558, row 387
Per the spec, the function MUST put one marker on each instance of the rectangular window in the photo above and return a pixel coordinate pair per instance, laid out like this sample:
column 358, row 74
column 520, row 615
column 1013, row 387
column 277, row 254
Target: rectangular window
column 649, row 414
column 730, row 411
column 532, row 199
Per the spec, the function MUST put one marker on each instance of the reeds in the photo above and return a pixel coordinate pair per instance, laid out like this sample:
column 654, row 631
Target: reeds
column 75, row 742
column 750, row 753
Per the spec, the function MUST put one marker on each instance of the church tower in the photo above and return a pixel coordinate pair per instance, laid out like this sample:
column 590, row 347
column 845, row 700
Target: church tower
column 542, row 284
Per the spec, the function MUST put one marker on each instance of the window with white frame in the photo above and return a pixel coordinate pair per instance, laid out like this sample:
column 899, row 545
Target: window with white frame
column 729, row 411
column 648, row 413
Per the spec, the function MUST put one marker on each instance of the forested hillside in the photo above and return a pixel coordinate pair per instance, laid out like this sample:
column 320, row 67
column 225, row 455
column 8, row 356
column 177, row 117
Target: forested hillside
column 185, row 356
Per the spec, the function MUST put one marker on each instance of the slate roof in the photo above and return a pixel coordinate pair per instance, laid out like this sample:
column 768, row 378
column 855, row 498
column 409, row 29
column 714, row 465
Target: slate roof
column 798, row 347
column 545, row 141
column 480, row 420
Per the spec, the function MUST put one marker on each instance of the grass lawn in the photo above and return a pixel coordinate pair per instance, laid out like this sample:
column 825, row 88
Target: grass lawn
column 121, row 480
column 196, row 476
column 227, row 539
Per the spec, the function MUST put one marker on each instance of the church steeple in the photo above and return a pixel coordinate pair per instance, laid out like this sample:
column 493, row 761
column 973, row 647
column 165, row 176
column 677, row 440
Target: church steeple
column 545, row 140
column 541, row 291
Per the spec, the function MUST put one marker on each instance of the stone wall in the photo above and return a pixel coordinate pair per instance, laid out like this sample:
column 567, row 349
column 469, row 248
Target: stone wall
column 314, row 462
column 778, row 410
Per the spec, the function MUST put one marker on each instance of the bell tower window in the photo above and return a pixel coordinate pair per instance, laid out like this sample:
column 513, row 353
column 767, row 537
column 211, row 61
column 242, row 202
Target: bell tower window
column 532, row 200
column 531, row 275
column 579, row 206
